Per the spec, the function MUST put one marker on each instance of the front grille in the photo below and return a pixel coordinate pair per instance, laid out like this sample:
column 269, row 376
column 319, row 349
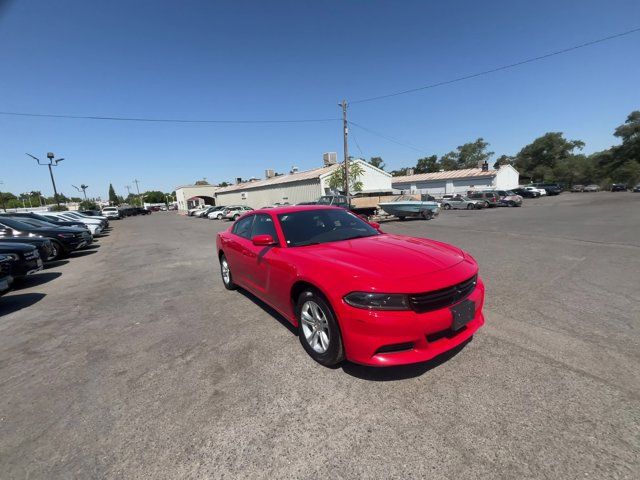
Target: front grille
column 5, row 267
column 31, row 255
column 426, row 302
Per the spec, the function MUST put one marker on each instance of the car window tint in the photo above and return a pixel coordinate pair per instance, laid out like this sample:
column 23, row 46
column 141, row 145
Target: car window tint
column 242, row 228
column 263, row 225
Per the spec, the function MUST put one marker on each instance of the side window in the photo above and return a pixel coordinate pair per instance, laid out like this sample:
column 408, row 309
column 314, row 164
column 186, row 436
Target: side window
column 242, row 228
column 263, row 225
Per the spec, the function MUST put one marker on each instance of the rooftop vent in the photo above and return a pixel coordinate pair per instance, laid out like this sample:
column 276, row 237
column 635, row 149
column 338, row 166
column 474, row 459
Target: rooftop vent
column 410, row 171
column 485, row 166
column 294, row 169
column 269, row 173
column 238, row 179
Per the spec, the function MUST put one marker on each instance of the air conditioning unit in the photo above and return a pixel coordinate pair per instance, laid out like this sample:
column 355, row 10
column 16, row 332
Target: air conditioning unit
column 269, row 173
column 330, row 158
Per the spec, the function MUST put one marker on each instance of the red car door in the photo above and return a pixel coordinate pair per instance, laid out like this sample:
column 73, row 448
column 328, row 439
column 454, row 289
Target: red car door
column 259, row 258
column 236, row 248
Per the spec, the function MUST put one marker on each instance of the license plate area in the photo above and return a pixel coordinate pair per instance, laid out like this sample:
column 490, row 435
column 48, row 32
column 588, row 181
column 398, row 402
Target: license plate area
column 462, row 314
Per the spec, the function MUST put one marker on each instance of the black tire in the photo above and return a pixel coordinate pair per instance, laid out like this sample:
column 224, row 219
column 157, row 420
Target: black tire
column 446, row 206
column 478, row 206
column 470, row 206
column 512, row 203
column 228, row 284
column 426, row 214
column 334, row 353
column 58, row 251
column 219, row 216
column 236, row 216
column 402, row 218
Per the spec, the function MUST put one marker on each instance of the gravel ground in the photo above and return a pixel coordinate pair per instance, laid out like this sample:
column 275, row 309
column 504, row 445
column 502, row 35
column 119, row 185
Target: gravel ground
column 132, row 361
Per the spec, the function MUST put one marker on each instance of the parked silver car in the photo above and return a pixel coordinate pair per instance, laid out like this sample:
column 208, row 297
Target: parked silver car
column 462, row 203
column 591, row 188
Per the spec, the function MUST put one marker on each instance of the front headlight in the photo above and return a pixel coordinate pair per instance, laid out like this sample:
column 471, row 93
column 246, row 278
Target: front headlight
column 12, row 256
column 378, row 301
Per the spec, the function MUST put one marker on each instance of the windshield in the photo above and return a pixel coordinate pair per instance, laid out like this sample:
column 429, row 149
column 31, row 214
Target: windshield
column 12, row 223
column 37, row 223
column 310, row 227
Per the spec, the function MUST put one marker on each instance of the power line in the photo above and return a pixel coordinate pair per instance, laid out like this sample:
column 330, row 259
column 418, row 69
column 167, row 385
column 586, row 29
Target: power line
column 387, row 137
column 162, row 120
column 357, row 145
column 498, row 69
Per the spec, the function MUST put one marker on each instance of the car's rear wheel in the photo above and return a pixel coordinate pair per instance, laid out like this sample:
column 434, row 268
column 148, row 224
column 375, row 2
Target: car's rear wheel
column 446, row 206
column 318, row 329
column 470, row 206
column 225, row 271
column 426, row 214
column 512, row 203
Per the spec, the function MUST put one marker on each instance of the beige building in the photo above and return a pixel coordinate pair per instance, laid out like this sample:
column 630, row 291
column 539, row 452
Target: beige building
column 296, row 187
column 190, row 196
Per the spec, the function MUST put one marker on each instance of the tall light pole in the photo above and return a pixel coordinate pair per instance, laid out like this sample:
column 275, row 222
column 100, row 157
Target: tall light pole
column 82, row 188
column 4, row 205
column 52, row 163
column 138, row 189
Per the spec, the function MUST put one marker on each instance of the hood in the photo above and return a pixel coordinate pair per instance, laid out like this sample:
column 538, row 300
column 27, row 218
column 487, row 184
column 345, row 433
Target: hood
column 390, row 256
column 16, row 247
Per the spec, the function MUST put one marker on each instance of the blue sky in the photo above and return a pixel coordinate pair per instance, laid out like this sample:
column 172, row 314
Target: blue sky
column 296, row 60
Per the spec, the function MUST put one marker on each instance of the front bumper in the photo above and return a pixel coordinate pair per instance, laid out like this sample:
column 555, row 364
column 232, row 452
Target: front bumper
column 29, row 267
column 5, row 284
column 367, row 335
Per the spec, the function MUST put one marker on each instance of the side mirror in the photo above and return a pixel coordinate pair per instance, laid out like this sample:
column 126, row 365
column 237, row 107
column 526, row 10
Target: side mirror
column 375, row 225
column 263, row 240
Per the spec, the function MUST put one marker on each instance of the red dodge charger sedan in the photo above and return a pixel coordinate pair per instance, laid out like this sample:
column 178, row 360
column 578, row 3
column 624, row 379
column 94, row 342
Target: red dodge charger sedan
column 353, row 291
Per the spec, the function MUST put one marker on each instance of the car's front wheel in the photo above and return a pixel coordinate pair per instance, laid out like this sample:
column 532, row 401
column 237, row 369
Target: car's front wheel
column 446, row 206
column 225, row 271
column 318, row 329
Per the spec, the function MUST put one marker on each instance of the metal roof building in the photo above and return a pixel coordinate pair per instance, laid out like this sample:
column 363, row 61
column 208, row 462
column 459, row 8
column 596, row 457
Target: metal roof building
column 296, row 187
column 458, row 181
column 188, row 196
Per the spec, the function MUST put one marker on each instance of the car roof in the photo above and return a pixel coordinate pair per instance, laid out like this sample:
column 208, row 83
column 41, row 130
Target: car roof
column 296, row 208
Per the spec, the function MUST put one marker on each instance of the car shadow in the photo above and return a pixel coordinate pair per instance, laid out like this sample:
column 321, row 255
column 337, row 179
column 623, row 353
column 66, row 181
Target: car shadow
column 83, row 253
column 403, row 372
column 55, row 263
column 35, row 280
column 12, row 303
column 271, row 311
column 93, row 246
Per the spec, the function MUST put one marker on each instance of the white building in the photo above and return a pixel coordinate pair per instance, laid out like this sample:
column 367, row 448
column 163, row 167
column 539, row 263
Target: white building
column 458, row 181
column 297, row 187
column 190, row 196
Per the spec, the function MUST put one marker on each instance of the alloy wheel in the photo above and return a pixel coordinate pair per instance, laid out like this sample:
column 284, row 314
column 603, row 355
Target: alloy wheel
column 315, row 326
column 226, row 272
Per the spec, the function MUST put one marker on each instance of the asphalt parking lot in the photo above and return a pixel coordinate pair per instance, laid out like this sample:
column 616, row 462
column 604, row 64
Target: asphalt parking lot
column 137, row 363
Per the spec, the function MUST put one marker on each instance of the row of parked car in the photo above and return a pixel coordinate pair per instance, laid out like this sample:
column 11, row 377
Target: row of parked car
column 231, row 212
column 28, row 240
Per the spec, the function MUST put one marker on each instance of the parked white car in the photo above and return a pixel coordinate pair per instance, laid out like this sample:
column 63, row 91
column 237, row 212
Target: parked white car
column 192, row 211
column 111, row 212
column 234, row 211
column 95, row 224
column 541, row 191
column 216, row 213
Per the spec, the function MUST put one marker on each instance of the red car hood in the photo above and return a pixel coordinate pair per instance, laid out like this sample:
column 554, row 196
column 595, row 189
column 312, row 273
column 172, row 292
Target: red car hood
column 393, row 257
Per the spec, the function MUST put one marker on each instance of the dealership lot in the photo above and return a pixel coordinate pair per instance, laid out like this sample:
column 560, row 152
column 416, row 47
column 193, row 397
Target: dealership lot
column 137, row 363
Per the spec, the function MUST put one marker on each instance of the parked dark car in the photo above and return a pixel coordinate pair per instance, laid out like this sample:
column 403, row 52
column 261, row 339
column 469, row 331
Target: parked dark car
column 525, row 193
column 142, row 211
column 44, row 245
column 6, row 279
column 636, row 188
column 64, row 240
column 58, row 221
column 619, row 187
column 550, row 188
column 26, row 259
column 91, row 213
column 491, row 199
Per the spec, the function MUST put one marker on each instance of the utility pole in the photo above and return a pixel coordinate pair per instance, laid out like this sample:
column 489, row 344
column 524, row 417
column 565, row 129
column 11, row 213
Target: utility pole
column 82, row 188
column 345, row 133
column 138, row 189
column 128, row 187
column 52, row 163
column 4, row 205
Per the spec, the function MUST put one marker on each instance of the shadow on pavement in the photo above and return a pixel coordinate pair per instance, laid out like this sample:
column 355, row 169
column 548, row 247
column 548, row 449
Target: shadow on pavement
column 274, row 313
column 35, row 280
column 386, row 374
column 93, row 246
column 55, row 263
column 83, row 253
column 13, row 303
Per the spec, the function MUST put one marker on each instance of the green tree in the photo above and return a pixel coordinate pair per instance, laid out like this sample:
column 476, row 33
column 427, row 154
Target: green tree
column 377, row 162
column 224, row 184
column 400, row 172
column 449, row 161
column 473, row 154
column 503, row 160
column 336, row 180
column 202, row 182
column 154, row 196
column 88, row 205
column 113, row 198
column 427, row 165
column 538, row 160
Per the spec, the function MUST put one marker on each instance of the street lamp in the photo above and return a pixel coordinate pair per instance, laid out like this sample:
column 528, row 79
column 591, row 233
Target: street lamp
column 52, row 163
column 82, row 188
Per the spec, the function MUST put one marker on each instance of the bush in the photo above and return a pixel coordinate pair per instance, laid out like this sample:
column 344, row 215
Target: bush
column 59, row 208
column 88, row 205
